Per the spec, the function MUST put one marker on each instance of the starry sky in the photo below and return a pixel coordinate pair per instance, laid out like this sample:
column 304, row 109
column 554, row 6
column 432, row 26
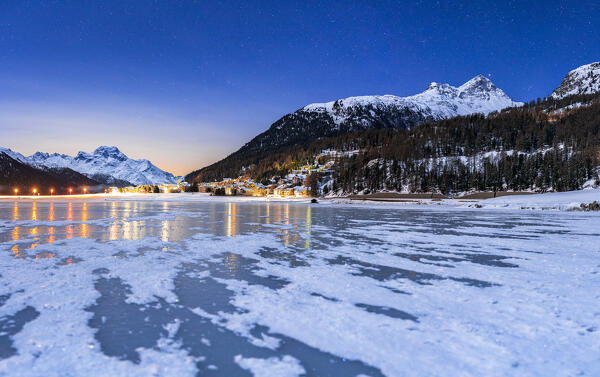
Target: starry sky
column 185, row 83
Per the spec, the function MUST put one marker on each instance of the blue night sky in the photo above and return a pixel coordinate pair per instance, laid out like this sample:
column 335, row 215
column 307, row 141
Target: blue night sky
column 185, row 83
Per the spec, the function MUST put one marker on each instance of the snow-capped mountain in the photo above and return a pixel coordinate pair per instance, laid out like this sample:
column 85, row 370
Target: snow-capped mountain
column 105, row 164
column 16, row 174
column 438, row 101
column 582, row 80
column 14, row 155
column 478, row 95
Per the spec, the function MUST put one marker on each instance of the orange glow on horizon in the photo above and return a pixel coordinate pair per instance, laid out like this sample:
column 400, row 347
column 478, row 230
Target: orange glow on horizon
column 16, row 190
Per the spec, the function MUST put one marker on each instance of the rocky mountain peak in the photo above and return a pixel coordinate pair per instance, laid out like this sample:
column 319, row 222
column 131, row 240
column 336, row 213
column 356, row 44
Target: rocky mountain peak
column 582, row 80
column 109, row 152
column 478, row 85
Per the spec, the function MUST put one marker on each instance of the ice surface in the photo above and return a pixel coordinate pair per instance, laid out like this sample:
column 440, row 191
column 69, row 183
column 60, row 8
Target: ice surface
column 234, row 288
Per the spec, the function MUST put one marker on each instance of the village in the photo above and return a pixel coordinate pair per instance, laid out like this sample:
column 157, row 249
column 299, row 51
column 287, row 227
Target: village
column 296, row 184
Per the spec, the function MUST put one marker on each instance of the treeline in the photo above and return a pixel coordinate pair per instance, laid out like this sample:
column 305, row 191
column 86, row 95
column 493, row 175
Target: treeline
column 555, row 145
column 557, row 169
column 549, row 151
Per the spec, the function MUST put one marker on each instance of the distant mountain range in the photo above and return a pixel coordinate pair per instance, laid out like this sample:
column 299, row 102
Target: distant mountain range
column 437, row 102
column 15, row 174
column 105, row 165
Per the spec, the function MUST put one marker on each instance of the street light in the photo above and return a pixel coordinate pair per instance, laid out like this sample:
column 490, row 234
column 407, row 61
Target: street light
column 16, row 191
column 85, row 190
column 51, row 191
column 70, row 190
column 34, row 191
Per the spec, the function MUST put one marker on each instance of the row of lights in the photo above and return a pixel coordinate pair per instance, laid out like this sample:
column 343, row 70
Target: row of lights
column 35, row 191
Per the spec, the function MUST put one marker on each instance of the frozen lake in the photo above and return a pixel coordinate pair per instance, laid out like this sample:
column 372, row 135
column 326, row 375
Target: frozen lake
column 125, row 287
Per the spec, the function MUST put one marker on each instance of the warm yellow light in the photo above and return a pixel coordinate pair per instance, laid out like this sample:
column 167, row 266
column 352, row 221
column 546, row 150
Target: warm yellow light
column 34, row 190
column 70, row 190
column 85, row 189
column 16, row 191
column 51, row 191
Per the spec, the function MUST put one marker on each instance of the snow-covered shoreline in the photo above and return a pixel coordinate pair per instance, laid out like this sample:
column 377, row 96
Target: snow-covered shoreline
column 570, row 200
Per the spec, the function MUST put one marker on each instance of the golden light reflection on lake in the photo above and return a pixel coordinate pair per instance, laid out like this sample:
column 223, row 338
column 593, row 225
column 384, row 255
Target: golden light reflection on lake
column 231, row 220
column 46, row 222
column 15, row 251
column 51, row 212
column 308, row 223
column 83, row 229
column 34, row 212
column 51, row 236
column 15, row 233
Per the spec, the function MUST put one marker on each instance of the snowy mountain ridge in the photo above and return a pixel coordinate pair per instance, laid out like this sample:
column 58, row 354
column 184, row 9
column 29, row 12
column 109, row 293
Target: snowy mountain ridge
column 108, row 163
column 478, row 95
column 581, row 80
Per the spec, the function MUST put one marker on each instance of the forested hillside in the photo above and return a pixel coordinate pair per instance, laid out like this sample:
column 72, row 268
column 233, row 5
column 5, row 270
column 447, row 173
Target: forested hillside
column 331, row 119
column 550, row 144
column 521, row 149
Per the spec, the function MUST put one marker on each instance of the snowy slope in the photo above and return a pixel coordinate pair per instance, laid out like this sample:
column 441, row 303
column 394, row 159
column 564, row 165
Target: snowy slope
column 478, row 95
column 582, row 80
column 14, row 155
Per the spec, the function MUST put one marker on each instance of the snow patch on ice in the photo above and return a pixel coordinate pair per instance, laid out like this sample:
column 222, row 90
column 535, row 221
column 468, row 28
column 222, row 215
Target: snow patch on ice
column 285, row 366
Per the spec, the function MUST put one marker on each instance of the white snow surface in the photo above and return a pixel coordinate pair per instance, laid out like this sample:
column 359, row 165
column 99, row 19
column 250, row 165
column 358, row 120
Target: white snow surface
column 582, row 80
column 109, row 161
column 570, row 200
column 478, row 95
column 286, row 366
